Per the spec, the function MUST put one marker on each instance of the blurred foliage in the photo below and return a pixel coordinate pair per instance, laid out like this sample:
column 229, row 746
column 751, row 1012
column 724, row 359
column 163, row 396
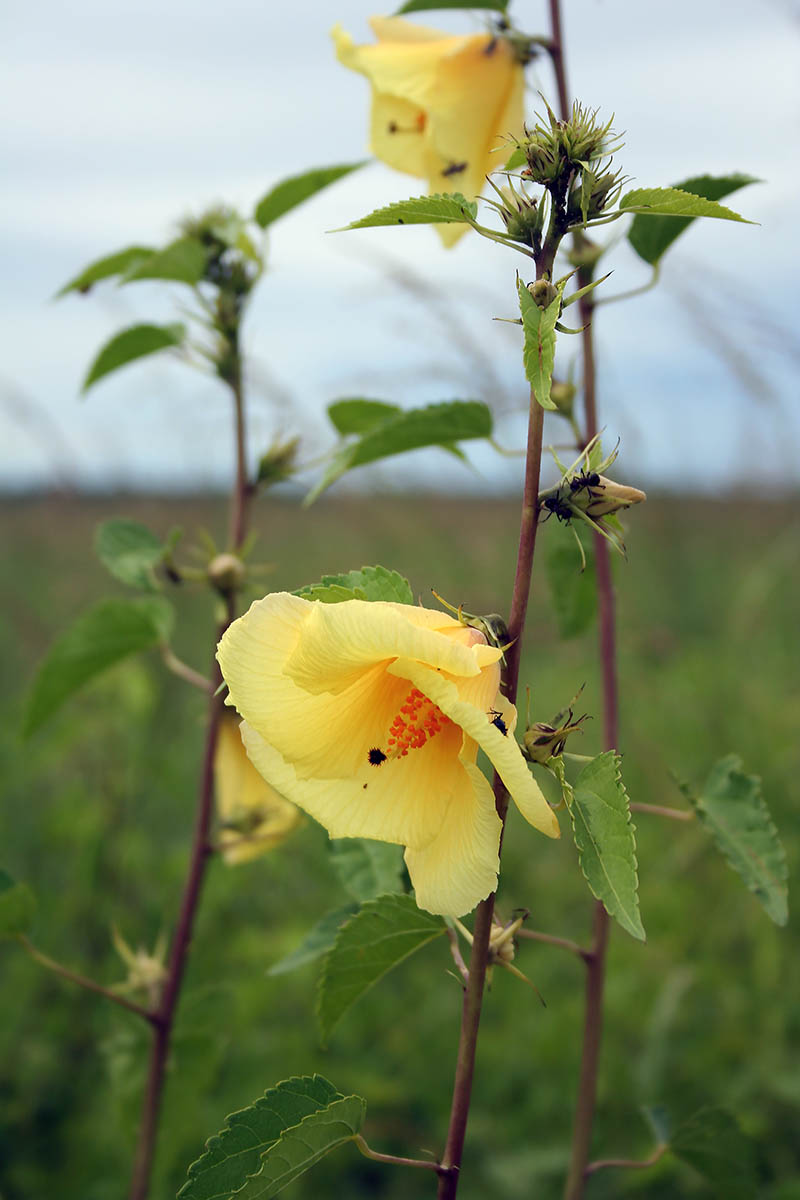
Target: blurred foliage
column 99, row 804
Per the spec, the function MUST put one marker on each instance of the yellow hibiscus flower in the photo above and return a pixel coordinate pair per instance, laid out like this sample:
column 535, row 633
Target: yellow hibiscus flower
column 440, row 103
column 369, row 716
column 253, row 817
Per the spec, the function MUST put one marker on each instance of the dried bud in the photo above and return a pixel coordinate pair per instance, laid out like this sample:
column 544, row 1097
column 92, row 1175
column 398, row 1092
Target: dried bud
column 226, row 573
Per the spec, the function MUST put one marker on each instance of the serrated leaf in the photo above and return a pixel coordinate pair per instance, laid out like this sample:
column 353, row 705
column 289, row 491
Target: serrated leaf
column 291, row 192
column 442, row 208
column 539, row 353
column 383, row 933
column 317, row 941
column 674, row 202
column 731, row 807
column 129, row 551
column 357, row 415
column 106, row 267
column 410, row 429
column 604, row 836
column 369, row 583
column 17, row 906
column 573, row 591
column 427, row 5
column 299, row 1148
column 366, row 868
column 135, row 342
column 107, row 633
column 712, row 1142
column 183, row 261
column 235, row 1153
column 650, row 239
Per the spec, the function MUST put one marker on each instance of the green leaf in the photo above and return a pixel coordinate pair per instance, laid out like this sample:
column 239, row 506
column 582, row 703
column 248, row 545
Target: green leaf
column 367, row 868
column 236, row 1152
column 674, row 202
column 651, row 238
column 110, row 631
column 573, row 591
column 132, row 343
column 183, row 260
column 515, row 160
column 426, row 5
column 712, row 1142
column 370, row 583
column 409, row 429
column 105, row 268
column 291, row 192
column 731, row 807
column 603, row 832
column 301, row 1147
column 446, row 208
column 317, row 941
column 357, row 415
column 539, row 352
column 129, row 551
column 379, row 936
column 17, row 906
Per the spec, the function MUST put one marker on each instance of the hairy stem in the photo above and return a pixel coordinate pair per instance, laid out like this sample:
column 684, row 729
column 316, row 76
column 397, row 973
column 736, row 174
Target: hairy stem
column 368, row 1152
column 482, row 927
column 163, row 1019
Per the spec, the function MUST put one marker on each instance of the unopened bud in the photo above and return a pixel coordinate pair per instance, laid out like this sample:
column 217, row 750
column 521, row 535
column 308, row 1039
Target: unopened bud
column 606, row 496
column 543, row 292
column 543, row 741
column 278, row 462
column 563, row 394
column 226, row 573
column 584, row 253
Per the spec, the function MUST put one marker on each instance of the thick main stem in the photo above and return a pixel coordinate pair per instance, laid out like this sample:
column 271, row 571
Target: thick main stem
column 482, row 928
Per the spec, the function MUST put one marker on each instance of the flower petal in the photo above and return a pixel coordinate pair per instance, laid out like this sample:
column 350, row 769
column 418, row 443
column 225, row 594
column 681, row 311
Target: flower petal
column 503, row 751
column 459, row 867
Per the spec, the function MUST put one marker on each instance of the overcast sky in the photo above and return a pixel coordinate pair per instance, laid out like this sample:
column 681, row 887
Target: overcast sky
column 123, row 116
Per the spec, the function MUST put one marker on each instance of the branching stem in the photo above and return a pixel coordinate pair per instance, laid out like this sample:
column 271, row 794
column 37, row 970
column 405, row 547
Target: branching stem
column 551, row 940
column 82, row 981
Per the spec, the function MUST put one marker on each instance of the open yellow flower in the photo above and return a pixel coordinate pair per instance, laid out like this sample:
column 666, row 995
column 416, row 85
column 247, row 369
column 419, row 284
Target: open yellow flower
column 440, row 103
column 253, row 817
column 369, row 716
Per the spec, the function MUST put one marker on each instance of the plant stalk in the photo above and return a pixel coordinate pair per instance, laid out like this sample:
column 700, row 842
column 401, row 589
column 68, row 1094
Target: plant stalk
column 482, row 927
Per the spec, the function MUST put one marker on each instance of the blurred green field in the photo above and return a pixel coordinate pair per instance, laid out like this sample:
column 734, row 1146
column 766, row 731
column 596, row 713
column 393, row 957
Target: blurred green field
column 98, row 807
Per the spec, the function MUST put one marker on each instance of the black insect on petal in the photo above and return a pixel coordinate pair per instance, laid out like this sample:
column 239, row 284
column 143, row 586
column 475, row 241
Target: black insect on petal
column 376, row 757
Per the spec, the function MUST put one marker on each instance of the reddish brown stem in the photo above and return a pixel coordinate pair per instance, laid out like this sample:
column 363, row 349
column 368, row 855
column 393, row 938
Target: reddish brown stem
column 479, row 957
column 82, row 981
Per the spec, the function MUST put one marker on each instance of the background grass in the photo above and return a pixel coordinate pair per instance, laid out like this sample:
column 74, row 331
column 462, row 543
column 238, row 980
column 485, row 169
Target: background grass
column 97, row 812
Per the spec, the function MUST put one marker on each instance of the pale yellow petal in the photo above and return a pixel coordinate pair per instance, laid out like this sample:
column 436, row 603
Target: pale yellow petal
column 253, row 817
column 397, row 29
column 502, row 750
column 459, row 867
column 404, row 800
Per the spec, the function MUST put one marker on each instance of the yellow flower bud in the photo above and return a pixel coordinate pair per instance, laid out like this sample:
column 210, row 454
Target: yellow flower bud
column 226, row 573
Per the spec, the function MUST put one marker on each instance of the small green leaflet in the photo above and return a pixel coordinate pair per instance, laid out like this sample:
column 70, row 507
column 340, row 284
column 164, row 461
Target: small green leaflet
column 731, row 807
column 712, row 1142
column 358, row 415
column 442, row 208
column 183, row 261
column 17, row 906
column 110, row 631
column 673, row 202
column 135, row 342
column 317, row 941
column 573, row 591
column 409, row 429
column 104, row 268
column 426, row 5
column 129, row 551
column 370, row 583
column 651, row 238
column 366, row 868
column 291, row 192
column 379, row 936
column 262, row 1144
column 539, row 352
column 603, row 832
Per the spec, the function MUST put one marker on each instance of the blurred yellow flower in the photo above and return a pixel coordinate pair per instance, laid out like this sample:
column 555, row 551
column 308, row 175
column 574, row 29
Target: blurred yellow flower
column 253, row 817
column 369, row 716
column 440, row 103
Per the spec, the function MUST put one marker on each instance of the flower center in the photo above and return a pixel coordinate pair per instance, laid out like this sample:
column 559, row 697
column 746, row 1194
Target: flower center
column 418, row 719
